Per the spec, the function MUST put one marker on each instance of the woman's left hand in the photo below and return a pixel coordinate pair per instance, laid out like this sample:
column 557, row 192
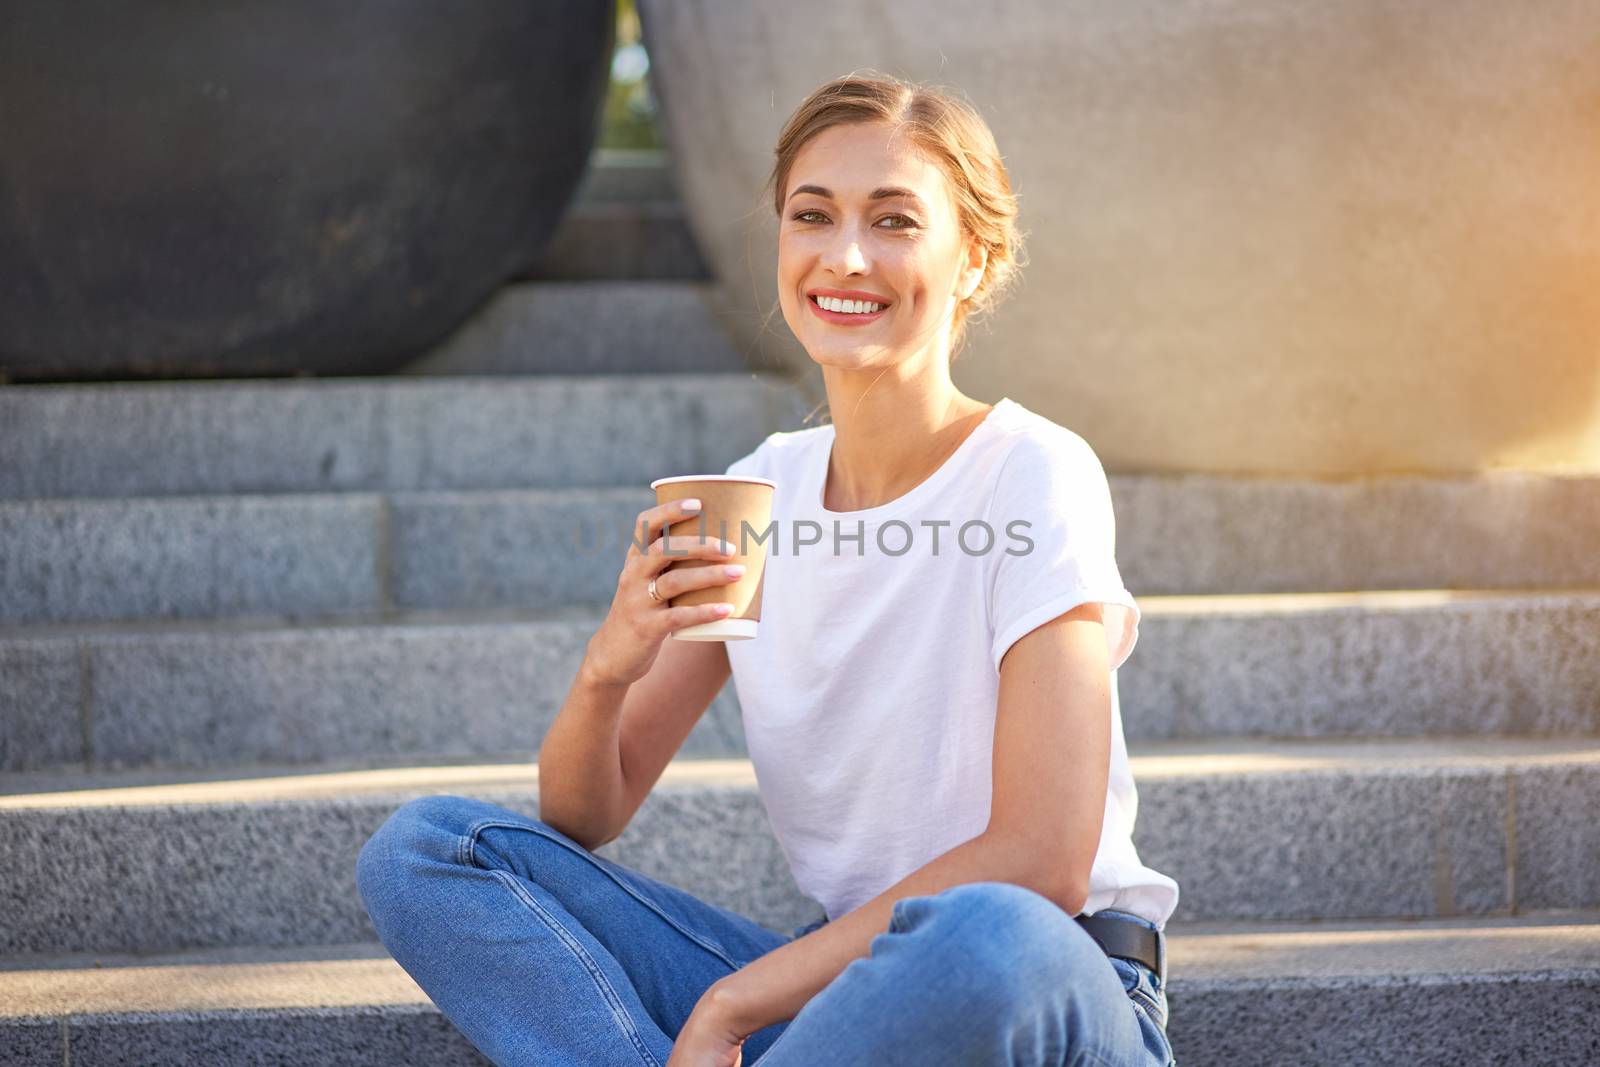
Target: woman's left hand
column 708, row 1039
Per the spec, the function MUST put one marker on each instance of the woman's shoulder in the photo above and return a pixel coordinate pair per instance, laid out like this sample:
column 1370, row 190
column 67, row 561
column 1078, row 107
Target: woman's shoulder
column 775, row 451
column 1035, row 447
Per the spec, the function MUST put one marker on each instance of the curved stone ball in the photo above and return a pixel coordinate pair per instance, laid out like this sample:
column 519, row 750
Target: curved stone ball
column 220, row 188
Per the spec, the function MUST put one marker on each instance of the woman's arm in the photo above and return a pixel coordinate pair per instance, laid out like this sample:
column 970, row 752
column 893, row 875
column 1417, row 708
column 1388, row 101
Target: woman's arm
column 1052, row 747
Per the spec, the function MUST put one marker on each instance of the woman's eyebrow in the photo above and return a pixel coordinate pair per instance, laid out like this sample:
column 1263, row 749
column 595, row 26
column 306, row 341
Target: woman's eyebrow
column 880, row 193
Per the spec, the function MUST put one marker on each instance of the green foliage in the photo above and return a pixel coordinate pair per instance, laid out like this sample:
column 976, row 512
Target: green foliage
column 629, row 119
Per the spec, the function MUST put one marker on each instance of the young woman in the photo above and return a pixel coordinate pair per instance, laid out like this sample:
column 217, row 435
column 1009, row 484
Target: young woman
column 931, row 706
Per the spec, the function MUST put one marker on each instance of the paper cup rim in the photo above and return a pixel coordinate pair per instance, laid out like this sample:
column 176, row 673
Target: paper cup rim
column 712, row 478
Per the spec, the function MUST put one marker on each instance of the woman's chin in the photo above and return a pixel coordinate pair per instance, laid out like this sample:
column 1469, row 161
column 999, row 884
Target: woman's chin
column 842, row 354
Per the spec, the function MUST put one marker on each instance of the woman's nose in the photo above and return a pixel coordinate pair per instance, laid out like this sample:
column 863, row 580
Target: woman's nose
column 846, row 255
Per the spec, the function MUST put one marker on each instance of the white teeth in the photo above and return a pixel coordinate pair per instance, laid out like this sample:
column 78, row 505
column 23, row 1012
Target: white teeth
column 849, row 307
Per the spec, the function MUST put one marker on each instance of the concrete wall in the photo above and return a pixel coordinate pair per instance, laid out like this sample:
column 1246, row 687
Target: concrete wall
column 1269, row 235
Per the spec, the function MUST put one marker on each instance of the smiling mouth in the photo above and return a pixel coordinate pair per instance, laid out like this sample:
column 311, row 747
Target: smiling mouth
column 836, row 314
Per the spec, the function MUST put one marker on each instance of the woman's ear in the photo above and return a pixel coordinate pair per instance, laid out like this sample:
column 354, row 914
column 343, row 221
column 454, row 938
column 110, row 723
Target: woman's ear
column 972, row 270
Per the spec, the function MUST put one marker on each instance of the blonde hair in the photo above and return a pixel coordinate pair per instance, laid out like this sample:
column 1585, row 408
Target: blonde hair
column 951, row 133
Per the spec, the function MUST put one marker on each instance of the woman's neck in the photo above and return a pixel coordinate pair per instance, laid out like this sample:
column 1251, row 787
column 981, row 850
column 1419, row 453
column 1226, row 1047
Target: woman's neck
column 886, row 444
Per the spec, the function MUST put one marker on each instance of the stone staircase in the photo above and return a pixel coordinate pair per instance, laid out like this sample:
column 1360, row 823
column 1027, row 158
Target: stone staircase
column 241, row 622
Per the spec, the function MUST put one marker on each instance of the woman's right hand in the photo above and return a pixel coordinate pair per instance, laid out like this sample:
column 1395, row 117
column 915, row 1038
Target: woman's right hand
column 622, row 650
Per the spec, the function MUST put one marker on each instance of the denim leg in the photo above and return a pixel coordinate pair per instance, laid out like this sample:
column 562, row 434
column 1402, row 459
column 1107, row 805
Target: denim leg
column 1148, row 993
column 983, row 973
column 539, row 951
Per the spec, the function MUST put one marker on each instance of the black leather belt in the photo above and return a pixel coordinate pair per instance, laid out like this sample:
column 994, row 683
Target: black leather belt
column 1128, row 940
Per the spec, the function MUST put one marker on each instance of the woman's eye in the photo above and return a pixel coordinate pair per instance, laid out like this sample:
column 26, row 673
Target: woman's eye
column 809, row 216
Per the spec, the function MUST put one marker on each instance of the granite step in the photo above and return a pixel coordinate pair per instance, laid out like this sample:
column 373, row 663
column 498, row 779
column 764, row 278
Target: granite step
column 318, row 1006
column 336, row 435
column 1500, row 529
column 642, row 239
column 626, row 221
column 644, row 327
column 465, row 682
column 1521, row 990
column 1255, row 830
column 1440, row 993
column 309, row 554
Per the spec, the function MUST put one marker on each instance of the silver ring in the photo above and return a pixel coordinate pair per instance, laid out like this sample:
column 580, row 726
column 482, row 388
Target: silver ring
column 653, row 594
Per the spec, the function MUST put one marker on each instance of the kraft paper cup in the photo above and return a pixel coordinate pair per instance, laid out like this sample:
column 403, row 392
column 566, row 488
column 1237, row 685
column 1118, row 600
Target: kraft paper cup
column 735, row 509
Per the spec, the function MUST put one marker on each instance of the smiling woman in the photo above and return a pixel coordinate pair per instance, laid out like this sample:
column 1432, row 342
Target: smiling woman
column 937, row 735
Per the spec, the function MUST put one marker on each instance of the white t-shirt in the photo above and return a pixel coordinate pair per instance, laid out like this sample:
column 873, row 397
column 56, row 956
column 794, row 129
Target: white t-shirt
column 870, row 692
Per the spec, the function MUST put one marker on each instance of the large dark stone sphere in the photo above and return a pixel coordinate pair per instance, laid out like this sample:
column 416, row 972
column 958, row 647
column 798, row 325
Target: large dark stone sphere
column 219, row 188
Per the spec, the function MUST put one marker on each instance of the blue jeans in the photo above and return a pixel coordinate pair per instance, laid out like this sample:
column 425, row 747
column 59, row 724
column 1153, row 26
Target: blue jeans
column 544, row 954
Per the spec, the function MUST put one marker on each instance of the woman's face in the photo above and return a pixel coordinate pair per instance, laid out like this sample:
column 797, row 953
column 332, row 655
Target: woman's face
column 903, row 251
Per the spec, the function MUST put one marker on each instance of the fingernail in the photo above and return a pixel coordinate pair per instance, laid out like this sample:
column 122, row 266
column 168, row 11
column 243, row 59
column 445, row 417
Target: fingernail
column 691, row 504
column 729, row 548
column 733, row 570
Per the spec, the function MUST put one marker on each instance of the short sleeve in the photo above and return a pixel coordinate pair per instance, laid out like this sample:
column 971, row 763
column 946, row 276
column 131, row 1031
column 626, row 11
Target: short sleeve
column 752, row 463
column 1055, row 544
